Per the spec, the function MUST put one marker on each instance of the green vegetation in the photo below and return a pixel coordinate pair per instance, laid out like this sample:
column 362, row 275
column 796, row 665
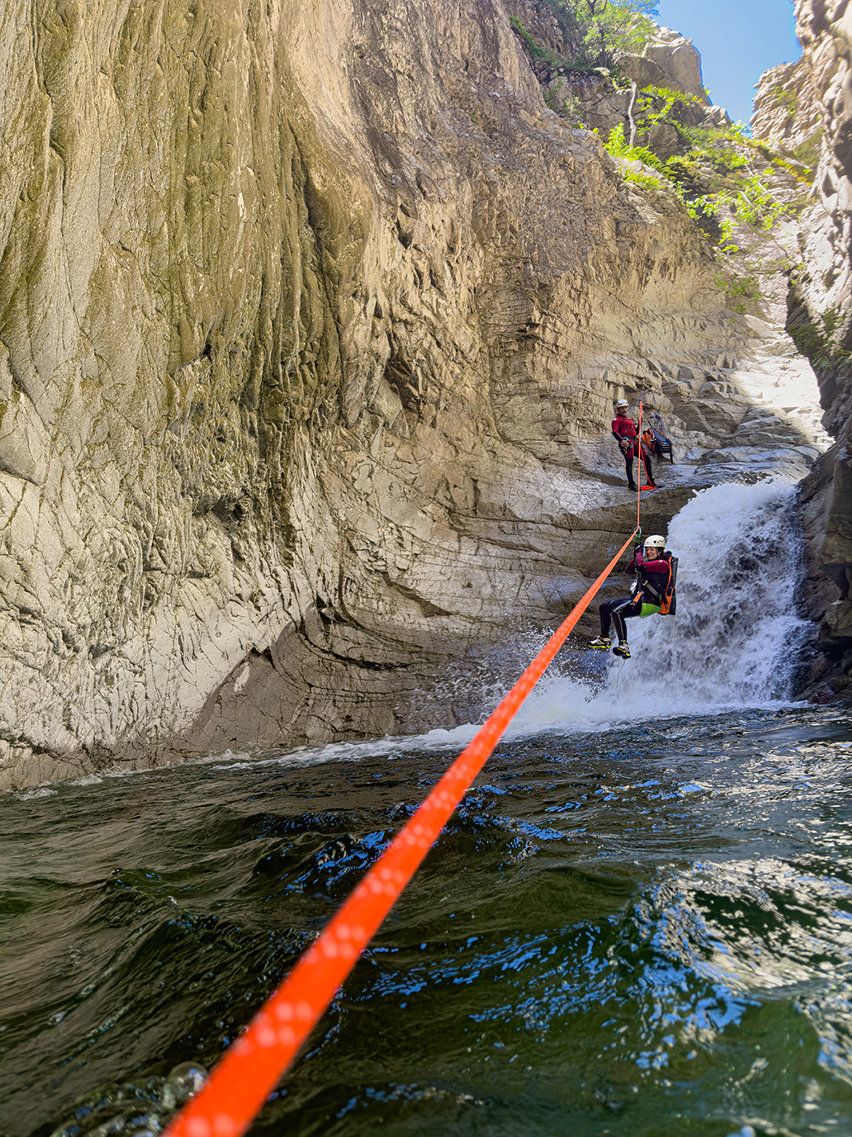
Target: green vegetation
column 819, row 340
column 734, row 187
column 809, row 151
column 613, row 27
column 599, row 32
column 726, row 181
column 650, row 97
column 619, row 147
column 566, row 105
column 717, row 177
column 742, row 290
column 533, row 48
column 787, row 98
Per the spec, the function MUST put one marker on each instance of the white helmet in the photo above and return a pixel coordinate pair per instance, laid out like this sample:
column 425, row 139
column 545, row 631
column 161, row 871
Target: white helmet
column 622, row 403
column 655, row 541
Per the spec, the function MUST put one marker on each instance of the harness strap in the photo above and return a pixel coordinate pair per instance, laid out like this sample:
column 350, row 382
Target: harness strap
column 666, row 598
column 624, row 604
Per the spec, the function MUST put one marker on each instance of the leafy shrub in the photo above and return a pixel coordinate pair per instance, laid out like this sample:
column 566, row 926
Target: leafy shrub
column 617, row 146
column 818, row 340
column 741, row 290
column 602, row 31
column 721, row 174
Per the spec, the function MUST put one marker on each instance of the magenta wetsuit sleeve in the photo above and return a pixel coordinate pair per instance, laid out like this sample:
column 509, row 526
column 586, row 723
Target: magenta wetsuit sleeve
column 656, row 572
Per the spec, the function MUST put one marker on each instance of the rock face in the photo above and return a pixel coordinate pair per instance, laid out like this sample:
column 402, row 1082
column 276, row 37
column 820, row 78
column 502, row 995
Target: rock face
column 817, row 94
column 788, row 109
column 825, row 288
column 669, row 60
column 309, row 310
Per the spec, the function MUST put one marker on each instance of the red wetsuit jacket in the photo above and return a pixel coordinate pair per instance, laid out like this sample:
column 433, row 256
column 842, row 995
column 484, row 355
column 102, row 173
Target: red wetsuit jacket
column 625, row 430
column 653, row 576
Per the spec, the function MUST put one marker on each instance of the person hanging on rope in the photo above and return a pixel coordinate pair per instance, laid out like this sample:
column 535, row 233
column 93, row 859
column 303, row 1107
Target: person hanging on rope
column 652, row 592
column 625, row 433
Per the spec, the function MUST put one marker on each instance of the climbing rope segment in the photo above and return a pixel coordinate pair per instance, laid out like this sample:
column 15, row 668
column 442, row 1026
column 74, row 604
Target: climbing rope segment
column 252, row 1066
column 642, row 467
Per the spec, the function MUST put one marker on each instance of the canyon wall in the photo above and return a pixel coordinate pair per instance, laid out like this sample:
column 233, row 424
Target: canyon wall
column 312, row 317
column 806, row 107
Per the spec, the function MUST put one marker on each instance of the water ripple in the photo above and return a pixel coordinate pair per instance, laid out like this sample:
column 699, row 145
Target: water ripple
column 643, row 935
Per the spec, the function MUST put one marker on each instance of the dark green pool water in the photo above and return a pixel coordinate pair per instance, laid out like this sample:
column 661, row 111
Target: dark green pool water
column 642, row 932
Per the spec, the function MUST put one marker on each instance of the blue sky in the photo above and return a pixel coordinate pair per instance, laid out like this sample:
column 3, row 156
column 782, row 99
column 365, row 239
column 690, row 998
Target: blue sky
column 738, row 41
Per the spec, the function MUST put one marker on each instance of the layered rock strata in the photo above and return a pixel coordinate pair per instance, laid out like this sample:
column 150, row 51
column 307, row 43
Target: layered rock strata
column 309, row 310
column 788, row 110
column 809, row 104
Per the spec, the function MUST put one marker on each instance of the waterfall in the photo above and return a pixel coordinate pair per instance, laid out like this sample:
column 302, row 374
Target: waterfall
column 735, row 639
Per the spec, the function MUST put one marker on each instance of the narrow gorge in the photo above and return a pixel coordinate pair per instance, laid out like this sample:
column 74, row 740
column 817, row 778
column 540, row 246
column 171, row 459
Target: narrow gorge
column 314, row 315
column 312, row 319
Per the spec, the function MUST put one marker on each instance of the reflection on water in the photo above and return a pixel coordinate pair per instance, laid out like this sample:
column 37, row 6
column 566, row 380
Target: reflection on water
column 634, row 931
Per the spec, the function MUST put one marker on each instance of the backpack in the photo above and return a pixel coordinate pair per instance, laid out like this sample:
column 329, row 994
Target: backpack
column 669, row 604
column 655, row 438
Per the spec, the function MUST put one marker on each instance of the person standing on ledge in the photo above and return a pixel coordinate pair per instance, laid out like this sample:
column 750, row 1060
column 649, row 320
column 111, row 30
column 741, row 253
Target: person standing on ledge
column 625, row 433
column 649, row 594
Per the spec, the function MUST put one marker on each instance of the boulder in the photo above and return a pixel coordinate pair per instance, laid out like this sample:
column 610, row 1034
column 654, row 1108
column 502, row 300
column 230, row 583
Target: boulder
column 678, row 61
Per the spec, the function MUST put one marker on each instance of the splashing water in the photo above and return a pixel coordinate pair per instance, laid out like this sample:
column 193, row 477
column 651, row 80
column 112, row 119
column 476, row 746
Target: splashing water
column 735, row 639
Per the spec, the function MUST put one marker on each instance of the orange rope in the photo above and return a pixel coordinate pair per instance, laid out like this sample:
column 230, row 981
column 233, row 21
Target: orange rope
column 642, row 465
column 251, row 1067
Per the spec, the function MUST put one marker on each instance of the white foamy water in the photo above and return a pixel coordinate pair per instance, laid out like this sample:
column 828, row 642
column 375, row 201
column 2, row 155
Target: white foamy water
column 734, row 640
column 733, row 643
